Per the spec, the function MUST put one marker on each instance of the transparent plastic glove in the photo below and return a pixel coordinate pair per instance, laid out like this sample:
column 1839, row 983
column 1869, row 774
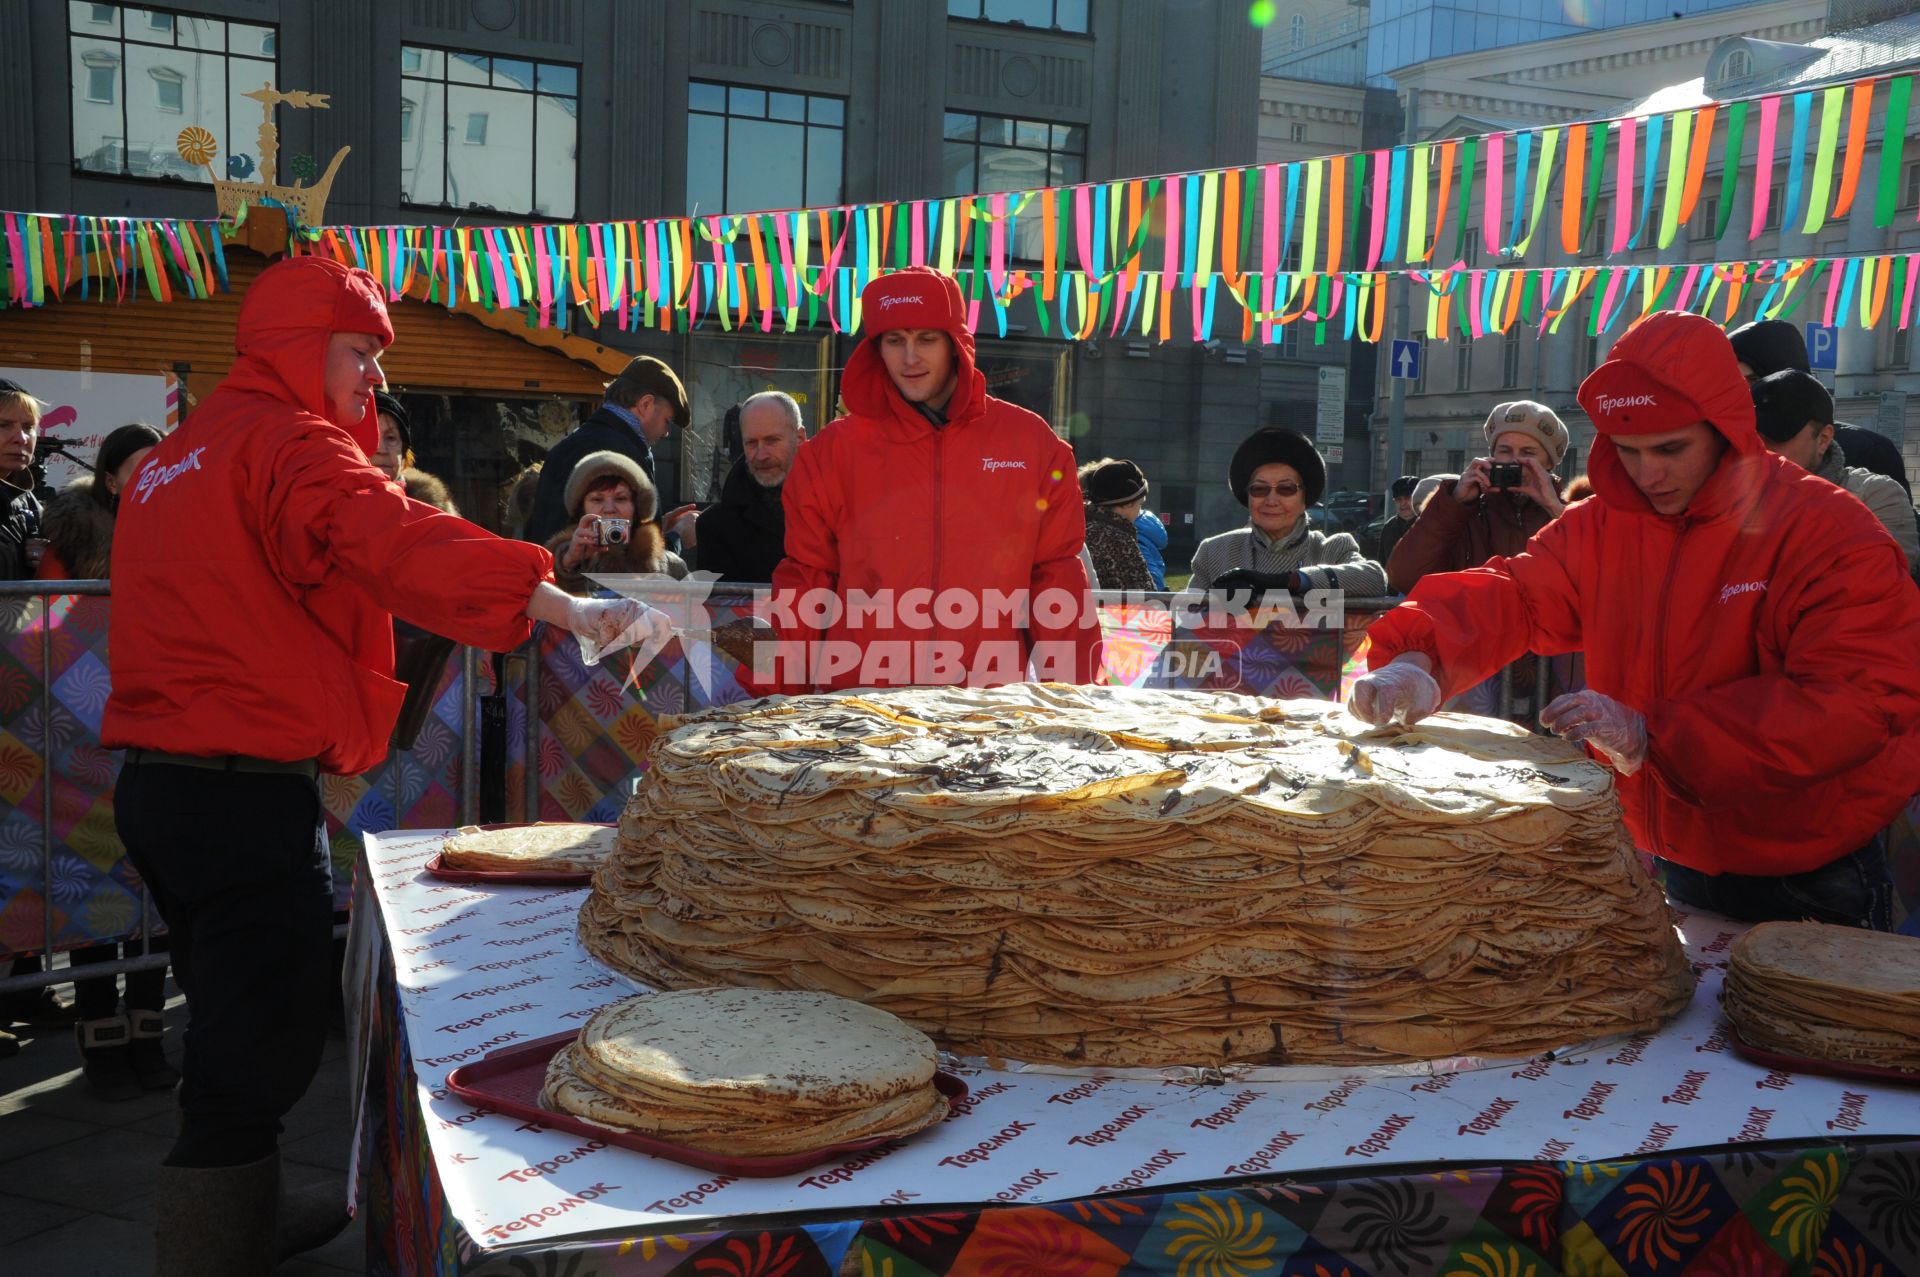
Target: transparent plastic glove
column 1616, row 730
column 1400, row 690
column 607, row 625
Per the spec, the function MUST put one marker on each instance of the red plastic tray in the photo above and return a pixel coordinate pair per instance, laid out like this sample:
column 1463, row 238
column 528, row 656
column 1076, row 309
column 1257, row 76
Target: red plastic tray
column 514, row 877
column 1807, row 1064
column 509, row 1081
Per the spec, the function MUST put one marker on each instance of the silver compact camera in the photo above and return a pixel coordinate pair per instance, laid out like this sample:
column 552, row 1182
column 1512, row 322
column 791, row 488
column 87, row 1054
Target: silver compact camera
column 612, row 532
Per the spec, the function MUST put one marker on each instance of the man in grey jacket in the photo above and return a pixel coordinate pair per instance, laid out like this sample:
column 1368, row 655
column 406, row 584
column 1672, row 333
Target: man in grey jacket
column 1794, row 414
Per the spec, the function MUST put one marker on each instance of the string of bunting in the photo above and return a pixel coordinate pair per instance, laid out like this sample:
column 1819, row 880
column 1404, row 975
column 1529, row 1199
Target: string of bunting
column 1086, row 258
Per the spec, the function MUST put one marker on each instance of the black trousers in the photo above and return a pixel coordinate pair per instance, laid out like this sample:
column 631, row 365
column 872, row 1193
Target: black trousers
column 239, row 869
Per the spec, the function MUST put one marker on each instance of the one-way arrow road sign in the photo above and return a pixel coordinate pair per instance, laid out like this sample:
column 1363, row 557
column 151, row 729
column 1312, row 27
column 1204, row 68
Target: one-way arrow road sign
column 1406, row 360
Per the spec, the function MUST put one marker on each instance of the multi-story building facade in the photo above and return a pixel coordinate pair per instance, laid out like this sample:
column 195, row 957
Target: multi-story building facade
column 584, row 110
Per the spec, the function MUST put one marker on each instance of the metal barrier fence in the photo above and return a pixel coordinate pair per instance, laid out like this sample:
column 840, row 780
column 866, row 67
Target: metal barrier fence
column 549, row 739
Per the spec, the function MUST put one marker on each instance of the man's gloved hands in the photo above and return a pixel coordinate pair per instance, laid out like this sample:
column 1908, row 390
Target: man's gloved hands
column 1616, row 730
column 1401, row 690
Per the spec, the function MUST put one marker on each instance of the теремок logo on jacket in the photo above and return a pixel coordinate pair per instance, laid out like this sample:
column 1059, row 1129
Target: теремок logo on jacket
column 990, row 464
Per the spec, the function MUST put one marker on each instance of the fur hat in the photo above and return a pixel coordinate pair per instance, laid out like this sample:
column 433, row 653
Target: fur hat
column 601, row 465
column 1534, row 420
column 1769, row 345
column 1785, row 401
column 645, row 375
column 1277, row 445
column 1111, row 482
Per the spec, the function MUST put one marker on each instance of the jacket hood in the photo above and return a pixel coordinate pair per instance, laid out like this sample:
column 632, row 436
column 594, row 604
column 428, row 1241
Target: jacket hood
column 286, row 319
column 1688, row 357
column 868, row 390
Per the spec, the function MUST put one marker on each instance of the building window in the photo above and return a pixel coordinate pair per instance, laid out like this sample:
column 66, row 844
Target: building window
column 1410, row 461
column 495, row 134
column 1737, row 66
column 1064, row 15
column 1463, row 363
column 1910, row 188
column 1510, row 359
column 1426, row 362
column 1570, row 464
column 1706, row 219
column 751, row 149
column 1297, row 31
column 1456, row 460
column 1589, row 353
column 1900, row 350
column 169, row 90
column 201, row 70
column 1298, row 132
column 1597, row 247
column 983, row 154
column 1290, row 338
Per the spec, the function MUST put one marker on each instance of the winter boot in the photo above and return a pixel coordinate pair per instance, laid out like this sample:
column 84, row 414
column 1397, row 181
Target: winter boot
column 108, row 1059
column 145, row 1052
column 216, row 1221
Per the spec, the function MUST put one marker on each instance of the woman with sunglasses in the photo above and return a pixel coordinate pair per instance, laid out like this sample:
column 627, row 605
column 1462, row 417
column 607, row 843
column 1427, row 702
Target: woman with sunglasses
column 1277, row 474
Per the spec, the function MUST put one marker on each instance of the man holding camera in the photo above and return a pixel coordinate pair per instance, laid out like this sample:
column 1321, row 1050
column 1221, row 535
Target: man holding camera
column 1500, row 501
column 1752, row 676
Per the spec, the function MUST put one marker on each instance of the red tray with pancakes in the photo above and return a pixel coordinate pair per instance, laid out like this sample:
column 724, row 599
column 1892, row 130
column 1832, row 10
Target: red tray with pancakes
column 513, row 877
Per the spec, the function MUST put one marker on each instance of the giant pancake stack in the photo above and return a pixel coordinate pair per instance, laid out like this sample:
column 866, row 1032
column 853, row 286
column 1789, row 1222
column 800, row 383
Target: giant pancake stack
column 1826, row 992
column 1115, row 877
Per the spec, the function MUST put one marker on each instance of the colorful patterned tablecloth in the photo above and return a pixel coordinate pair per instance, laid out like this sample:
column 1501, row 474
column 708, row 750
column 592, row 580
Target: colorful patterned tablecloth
column 1841, row 1209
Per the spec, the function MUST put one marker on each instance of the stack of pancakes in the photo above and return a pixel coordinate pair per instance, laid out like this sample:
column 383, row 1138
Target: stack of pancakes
column 748, row 1072
column 541, row 848
column 1831, row 993
column 1121, row 877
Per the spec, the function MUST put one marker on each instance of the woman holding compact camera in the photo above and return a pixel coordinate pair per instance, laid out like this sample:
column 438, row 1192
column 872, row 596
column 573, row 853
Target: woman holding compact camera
column 1497, row 505
column 612, row 505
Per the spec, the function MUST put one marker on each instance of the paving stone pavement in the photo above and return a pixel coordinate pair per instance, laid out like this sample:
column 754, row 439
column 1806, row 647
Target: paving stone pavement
column 76, row 1173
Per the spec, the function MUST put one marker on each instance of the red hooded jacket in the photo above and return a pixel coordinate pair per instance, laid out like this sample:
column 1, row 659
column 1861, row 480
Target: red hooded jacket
column 883, row 501
column 258, row 555
column 1767, row 633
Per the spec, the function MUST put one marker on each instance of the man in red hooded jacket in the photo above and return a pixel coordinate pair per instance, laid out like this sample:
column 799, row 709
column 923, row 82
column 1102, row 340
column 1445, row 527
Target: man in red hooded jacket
column 934, row 532
column 260, row 559
column 1749, row 638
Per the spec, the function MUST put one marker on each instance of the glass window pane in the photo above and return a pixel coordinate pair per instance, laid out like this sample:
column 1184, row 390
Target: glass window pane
column 956, row 168
column 1035, row 13
column 1070, row 15
column 97, row 140
column 1066, row 170
column 962, row 127
column 787, row 106
column 764, row 166
column 468, row 68
column 423, row 156
column 490, row 160
column 511, row 73
column 556, row 145
column 706, row 97
column 706, row 151
column 824, row 147
column 1006, row 169
column 147, row 25
column 826, row 110
column 191, row 32
column 1029, row 133
column 751, row 102
column 1071, row 138
column 94, row 19
column 996, row 130
column 963, row 8
column 251, row 40
column 562, row 80
column 199, row 84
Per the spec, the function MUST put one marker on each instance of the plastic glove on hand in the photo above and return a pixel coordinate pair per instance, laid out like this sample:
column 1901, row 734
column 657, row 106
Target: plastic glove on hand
column 1397, row 691
column 1616, row 730
column 607, row 625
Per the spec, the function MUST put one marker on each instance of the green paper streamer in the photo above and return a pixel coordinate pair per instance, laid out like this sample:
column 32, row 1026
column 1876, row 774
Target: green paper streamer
column 1893, row 141
column 1596, row 157
column 1830, row 106
column 1467, row 158
column 1730, row 164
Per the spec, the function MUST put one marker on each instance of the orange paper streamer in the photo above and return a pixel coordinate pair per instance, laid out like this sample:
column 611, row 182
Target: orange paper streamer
column 1856, row 146
column 1570, row 194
